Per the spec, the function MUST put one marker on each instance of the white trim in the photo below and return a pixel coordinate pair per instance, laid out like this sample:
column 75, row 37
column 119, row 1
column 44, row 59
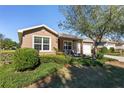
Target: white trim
column 33, row 27
column 42, row 44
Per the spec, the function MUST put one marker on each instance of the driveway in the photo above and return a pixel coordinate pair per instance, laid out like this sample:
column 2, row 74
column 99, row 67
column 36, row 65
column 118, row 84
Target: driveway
column 119, row 58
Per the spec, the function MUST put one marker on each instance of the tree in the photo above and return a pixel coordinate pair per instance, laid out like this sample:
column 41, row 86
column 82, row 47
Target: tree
column 1, row 40
column 94, row 22
column 9, row 44
column 6, row 43
column 1, row 36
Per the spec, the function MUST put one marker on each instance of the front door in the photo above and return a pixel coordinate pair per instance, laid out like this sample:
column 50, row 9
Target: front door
column 67, row 45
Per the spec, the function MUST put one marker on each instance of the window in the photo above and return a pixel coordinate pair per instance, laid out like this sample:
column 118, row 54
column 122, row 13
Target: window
column 45, row 43
column 67, row 45
column 41, row 43
column 37, row 46
column 38, row 43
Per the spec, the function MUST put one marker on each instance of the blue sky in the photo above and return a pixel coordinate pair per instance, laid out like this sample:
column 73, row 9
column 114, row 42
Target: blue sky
column 13, row 18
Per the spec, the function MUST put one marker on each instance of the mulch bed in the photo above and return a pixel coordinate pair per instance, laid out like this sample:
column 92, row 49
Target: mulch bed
column 41, row 83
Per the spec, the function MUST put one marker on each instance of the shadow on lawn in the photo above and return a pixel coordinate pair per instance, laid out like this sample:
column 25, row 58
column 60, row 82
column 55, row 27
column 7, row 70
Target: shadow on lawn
column 88, row 77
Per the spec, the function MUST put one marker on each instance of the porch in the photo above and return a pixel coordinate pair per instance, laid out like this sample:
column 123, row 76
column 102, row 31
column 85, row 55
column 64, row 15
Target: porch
column 70, row 44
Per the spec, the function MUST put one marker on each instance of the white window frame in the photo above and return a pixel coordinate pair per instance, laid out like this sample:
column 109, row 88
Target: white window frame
column 68, row 41
column 42, row 42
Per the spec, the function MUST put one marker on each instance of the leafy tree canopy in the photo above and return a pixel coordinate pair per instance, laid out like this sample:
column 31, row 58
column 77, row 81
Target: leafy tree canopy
column 94, row 22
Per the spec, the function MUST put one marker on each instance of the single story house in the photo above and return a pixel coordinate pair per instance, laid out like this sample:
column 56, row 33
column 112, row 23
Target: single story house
column 47, row 40
column 107, row 43
column 120, row 46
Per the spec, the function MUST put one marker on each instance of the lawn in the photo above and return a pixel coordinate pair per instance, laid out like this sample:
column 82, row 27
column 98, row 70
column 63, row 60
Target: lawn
column 89, row 77
column 82, row 72
column 12, row 79
column 84, row 76
column 103, row 60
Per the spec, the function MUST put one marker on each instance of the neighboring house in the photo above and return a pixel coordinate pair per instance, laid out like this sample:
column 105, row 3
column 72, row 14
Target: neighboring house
column 88, row 45
column 107, row 43
column 120, row 46
column 46, row 40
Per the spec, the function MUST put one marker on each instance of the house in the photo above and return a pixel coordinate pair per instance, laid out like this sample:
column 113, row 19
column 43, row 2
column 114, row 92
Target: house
column 120, row 46
column 47, row 40
column 107, row 43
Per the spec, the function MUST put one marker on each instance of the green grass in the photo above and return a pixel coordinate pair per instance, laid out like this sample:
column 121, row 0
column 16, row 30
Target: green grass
column 103, row 60
column 88, row 61
column 60, row 59
column 9, row 78
column 7, row 51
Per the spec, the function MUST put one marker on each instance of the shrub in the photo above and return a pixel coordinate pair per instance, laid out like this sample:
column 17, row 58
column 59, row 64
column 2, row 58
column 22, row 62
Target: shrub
column 6, row 56
column 99, row 56
column 75, row 61
column 104, row 50
column 86, row 62
column 61, row 59
column 111, row 50
column 55, row 49
column 103, row 60
column 10, row 79
column 60, row 53
column 25, row 58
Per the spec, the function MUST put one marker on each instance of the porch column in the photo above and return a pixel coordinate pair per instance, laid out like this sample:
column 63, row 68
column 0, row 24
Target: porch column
column 60, row 45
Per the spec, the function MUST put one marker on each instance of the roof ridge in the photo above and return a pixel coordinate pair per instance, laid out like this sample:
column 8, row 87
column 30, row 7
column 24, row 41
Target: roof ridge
column 34, row 27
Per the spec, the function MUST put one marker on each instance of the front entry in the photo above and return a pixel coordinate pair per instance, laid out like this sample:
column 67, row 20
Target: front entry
column 68, row 45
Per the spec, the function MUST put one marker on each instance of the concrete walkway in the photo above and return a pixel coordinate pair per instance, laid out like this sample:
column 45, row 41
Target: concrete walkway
column 119, row 58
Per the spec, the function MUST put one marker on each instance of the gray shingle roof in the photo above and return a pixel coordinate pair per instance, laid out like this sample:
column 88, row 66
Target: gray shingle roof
column 69, row 36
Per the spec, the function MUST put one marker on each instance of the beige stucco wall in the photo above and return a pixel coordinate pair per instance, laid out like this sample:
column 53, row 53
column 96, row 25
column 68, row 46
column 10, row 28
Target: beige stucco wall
column 27, row 39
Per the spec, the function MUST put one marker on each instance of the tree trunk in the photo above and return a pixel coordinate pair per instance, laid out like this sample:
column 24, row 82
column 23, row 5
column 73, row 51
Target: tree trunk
column 94, row 53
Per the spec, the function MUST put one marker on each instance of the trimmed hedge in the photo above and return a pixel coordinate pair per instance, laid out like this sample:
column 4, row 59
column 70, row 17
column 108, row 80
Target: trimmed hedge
column 25, row 58
column 111, row 50
column 6, row 57
column 99, row 56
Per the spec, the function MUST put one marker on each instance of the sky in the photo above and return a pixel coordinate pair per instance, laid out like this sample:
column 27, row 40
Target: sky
column 13, row 18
